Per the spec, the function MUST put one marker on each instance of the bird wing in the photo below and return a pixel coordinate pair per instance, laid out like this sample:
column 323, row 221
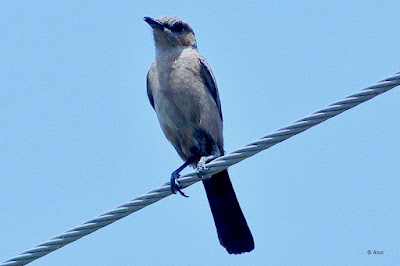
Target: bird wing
column 209, row 79
column 149, row 93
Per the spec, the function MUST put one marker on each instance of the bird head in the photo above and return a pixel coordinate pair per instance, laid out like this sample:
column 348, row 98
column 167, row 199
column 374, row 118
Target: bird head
column 171, row 32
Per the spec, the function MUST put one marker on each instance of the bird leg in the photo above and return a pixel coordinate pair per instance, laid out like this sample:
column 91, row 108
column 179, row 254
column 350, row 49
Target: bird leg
column 201, row 165
column 175, row 186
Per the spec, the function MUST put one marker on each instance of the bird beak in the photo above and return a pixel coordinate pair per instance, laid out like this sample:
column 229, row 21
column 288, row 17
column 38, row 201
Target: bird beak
column 153, row 23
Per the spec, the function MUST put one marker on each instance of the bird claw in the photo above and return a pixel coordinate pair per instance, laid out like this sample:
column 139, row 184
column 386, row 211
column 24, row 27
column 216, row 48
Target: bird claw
column 201, row 165
column 175, row 186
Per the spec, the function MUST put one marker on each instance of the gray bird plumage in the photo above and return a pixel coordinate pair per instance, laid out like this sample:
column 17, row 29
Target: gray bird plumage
column 183, row 92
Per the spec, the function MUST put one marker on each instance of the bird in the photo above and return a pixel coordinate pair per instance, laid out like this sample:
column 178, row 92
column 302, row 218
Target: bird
column 183, row 92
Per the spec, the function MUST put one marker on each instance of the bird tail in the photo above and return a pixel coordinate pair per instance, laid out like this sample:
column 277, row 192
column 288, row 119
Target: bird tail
column 233, row 232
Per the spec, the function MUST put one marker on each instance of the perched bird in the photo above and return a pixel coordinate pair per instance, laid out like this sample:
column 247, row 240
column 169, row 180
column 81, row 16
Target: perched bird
column 183, row 92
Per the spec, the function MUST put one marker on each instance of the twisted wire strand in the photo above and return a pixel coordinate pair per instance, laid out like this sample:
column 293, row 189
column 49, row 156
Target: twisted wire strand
column 212, row 167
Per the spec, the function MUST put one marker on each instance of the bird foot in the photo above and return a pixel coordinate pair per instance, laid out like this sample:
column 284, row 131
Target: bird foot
column 201, row 165
column 175, row 186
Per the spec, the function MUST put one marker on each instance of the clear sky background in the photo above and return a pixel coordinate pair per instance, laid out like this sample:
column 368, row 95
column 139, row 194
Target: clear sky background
column 78, row 136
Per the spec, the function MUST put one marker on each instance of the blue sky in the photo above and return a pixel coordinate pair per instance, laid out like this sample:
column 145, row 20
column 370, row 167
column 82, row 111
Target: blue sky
column 78, row 136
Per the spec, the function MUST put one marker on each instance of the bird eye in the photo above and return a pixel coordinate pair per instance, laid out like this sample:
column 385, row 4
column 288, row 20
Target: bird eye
column 178, row 27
